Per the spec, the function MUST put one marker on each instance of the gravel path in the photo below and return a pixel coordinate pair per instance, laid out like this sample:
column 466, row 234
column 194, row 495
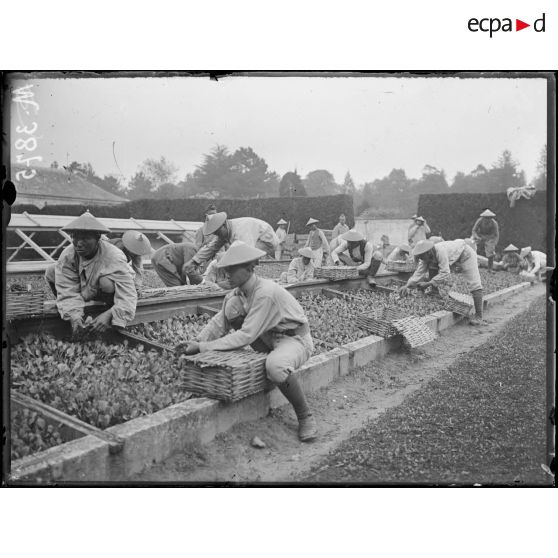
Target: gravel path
column 481, row 422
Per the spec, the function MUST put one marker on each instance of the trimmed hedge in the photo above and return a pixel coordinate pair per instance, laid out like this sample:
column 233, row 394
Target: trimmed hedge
column 455, row 214
column 295, row 210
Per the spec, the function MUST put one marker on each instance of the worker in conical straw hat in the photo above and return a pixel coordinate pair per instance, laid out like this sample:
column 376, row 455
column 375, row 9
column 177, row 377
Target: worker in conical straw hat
column 135, row 245
column 91, row 268
column 281, row 233
column 511, row 261
column 401, row 254
column 486, row 232
column 270, row 319
column 254, row 232
column 418, row 230
column 355, row 250
column 535, row 264
column 441, row 256
column 300, row 269
column 317, row 242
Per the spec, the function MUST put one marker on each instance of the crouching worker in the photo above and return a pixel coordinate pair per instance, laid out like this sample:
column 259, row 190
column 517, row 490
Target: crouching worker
column 441, row 256
column 535, row 264
column 267, row 317
column 93, row 269
column 511, row 261
column 355, row 250
column 170, row 264
column 300, row 269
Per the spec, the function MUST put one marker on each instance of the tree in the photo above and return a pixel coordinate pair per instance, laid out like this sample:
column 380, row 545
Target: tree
column 211, row 174
column 140, row 187
column 111, row 183
column 320, row 183
column 348, row 185
column 432, row 181
column 291, row 186
column 158, row 172
column 250, row 175
column 539, row 181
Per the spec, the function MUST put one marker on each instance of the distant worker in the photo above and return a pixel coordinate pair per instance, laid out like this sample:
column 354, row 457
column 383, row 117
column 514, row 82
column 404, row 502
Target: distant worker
column 485, row 232
column 169, row 262
column 536, row 264
column 440, row 257
column 254, row 232
column 511, row 261
column 317, row 242
column 201, row 239
column 267, row 317
column 93, row 269
column 300, row 269
column 418, row 230
column 355, row 250
column 281, row 233
column 340, row 228
column 134, row 244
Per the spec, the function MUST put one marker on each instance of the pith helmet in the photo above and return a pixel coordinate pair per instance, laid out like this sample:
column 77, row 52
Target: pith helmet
column 281, row 222
column 137, row 243
column 422, row 246
column 214, row 222
column 352, row 236
column 436, row 239
column 487, row 213
column 306, row 253
column 86, row 222
column 240, row 253
column 525, row 251
column 510, row 248
column 312, row 221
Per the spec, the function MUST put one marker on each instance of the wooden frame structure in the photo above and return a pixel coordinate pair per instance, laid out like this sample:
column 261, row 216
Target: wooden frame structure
column 26, row 226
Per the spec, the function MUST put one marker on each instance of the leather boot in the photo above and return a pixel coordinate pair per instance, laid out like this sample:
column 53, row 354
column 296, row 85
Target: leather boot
column 477, row 301
column 491, row 264
column 292, row 391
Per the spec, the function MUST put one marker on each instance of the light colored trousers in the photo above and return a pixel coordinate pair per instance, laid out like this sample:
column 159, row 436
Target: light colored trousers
column 470, row 269
column 317, row 257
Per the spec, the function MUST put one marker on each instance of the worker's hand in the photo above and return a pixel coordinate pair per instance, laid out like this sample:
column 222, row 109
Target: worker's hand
column 101, row 323
column 191, row 266
column 77, row 327
column 187, row 348
column 404, row 290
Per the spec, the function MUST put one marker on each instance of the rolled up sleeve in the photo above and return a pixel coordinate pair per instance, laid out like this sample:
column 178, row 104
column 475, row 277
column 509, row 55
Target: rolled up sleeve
column 125, row 297
column 339, row 250
column 207, row 252
column 420, row 273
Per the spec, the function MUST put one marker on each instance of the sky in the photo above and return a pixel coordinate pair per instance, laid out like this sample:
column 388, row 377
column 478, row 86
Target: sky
column 365, row 125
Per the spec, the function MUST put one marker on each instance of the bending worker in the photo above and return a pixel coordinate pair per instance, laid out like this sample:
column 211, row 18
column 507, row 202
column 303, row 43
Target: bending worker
column 254, row 232
column 169, row 262
column 300, row 269
column 443, row 255
column 93, row 269
column 355, row 250
column 485, row 231
column 201, row 239
column 317, row 242
column 536, row 263
column 268, row 317
column 401, row 254
column 215, row 275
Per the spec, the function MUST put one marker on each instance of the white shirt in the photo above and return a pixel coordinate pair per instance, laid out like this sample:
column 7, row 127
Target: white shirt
column 344, row 247
column 539, row 261
column 447, row 253
column 281, row 234
column 299, row 272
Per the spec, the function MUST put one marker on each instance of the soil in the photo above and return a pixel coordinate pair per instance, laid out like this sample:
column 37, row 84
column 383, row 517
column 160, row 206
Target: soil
column 342, row 410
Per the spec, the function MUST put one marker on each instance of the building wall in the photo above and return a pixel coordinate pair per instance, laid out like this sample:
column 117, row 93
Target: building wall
column 373, row 229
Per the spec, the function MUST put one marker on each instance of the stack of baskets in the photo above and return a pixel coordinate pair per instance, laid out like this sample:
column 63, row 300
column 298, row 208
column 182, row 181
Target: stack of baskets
column 399, row 266
column 336, row 272
column 380, row 321
column 193, row 290
column 224, row 375
column 460, row 303
column 24, row 304
column 415, row 331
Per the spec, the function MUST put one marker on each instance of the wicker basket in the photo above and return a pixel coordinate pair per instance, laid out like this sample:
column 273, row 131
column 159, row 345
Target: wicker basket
column 415, row 331
column 405, row 267
column 224, row 375
column 380, row 321
column 24, row 304
column 336, row 272
column 193, row 290
column 460, row 303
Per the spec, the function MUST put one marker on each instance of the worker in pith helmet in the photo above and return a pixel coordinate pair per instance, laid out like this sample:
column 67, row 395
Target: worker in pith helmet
column 486, row 232
column 317, row 242
column 269, row 318
column 300, row 269
column 93, row 269
column 281, row 233
column 202, row 239
column 441, row 256
column 253, row 232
